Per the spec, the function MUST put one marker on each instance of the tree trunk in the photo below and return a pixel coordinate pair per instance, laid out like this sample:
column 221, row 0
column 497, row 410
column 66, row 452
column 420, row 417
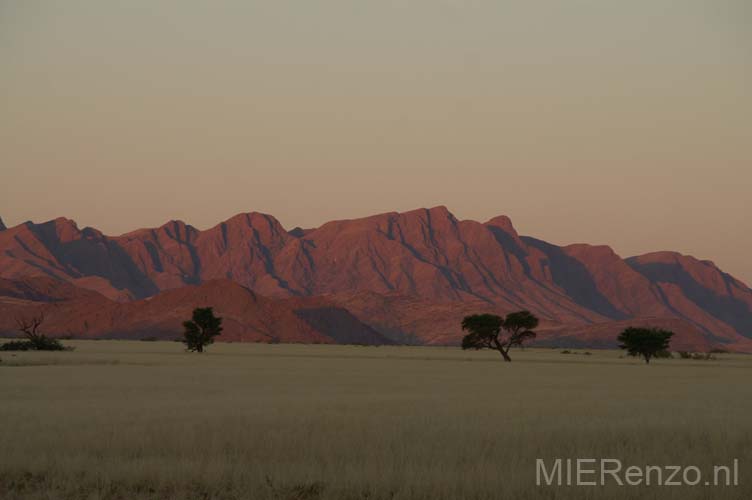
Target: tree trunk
column 501, row 350
column 200, row 348
column 505, row 355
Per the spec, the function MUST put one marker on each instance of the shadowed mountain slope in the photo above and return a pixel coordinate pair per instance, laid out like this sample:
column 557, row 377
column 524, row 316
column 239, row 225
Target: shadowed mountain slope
column 711, row 290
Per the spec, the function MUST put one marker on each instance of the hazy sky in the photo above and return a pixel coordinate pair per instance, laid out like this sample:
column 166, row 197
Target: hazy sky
column 619, row 122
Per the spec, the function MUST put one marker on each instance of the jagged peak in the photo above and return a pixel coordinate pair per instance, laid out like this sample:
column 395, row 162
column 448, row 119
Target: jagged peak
column 170, row 227
column 504, row 223
column 58, row 222
column 176, row 222
column 61, row 229
column 436, row 217
column 439, row 211
column 298, row 232
column 251, row 226
column 63, row 222
column 178, row 229
column 252, row 219
column 593, row 249
column 436, row 213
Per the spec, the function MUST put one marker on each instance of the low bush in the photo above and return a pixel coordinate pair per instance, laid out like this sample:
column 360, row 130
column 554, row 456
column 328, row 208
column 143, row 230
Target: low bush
column 703, row 356
column 17, row 345
column 697, row 356
column 40, row 343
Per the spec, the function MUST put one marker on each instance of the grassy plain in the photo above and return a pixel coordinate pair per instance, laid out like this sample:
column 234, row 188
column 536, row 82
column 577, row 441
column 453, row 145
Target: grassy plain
column 145, row 420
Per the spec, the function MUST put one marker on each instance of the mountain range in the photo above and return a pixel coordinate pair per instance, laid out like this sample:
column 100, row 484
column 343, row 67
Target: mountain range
column 394, row 277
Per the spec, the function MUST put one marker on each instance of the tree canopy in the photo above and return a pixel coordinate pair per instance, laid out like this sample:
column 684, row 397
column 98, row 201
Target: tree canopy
column 201, row 330
column 489, row 331
column 645, row 342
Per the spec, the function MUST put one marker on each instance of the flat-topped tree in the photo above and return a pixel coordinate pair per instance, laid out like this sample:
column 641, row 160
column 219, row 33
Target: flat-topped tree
column 645, row 342
column 201, row 330
column 489, row 331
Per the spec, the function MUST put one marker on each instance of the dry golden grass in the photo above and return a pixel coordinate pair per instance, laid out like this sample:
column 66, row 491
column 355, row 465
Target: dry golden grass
column 144, row 420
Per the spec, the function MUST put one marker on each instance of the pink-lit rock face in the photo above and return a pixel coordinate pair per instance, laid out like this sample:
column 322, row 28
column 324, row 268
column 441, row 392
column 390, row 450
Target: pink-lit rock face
column 409, row 275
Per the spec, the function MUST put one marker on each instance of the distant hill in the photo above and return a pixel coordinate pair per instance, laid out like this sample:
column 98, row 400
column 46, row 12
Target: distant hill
column 246, row 316
column 408, row 276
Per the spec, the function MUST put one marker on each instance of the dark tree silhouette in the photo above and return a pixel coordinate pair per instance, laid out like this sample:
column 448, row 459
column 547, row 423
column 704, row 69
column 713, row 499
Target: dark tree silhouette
column 30, row 327
column 489, row 331
column 645, row 342
column 201, row 330
column 35, row 340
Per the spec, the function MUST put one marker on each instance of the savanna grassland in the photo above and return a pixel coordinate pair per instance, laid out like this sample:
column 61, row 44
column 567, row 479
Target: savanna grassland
column 145, row 420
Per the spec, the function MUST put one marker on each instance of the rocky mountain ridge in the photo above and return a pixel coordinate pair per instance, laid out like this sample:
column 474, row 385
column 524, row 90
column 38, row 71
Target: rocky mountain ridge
column 424, row 267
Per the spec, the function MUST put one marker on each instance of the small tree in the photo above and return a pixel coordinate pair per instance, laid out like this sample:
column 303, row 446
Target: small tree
column 485, row 331
column 645, row 342
column 201, row 330
column 35, row 340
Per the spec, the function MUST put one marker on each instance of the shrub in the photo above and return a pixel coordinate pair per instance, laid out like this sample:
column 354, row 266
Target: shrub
column 40, row 343
column 17, row 345
column 35, row 341
column 47, row 344
column 700, row 356
column 697, row 356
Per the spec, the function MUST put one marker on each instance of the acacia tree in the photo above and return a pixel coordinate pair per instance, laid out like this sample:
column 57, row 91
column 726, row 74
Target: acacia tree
column 489, row 331
column 30, row 327
column 201, row 330
column 645, row 342
column 35, row 340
